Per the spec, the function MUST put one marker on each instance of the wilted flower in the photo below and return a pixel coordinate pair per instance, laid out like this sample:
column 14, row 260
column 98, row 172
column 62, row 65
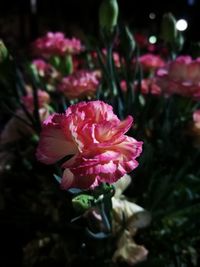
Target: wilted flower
column 79, row 84
column 128, row 251
column 55, row 44
column 95, row 139
column 181, row 76
column 127, row 218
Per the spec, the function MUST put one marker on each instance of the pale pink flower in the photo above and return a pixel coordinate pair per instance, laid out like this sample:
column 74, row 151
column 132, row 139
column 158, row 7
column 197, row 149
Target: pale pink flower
column 95, row 139
column 79, row 84
column 128, row 251
column 151, row 62
column 181, row 76
column 56, row 44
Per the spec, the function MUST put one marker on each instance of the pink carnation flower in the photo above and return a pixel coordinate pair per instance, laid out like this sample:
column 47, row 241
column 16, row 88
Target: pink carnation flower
column 79, row 84
column 95, row 139
column 56, row 44
column 151, row 62
column 181, row 76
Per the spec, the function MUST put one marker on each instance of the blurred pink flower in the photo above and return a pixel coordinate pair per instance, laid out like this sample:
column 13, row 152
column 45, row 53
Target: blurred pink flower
column 181, row 76
column 42, row 67
column 141, row 40
column 28, row 100
column 148, row 86
column 196, row 124
column 55, row 44
column 115, row 56
column 151, row 62
column 95, row 139
column 196, row 118
column 17, row 126
column 79, row 84
column 194, row 128
column 123, row 85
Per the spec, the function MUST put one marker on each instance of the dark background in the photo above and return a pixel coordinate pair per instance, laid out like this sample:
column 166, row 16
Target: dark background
column 20, row 25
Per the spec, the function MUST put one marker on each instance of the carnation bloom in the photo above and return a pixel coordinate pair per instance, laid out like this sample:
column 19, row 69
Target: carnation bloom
column 181, row 76
column 55, row 44
column 95, row 139
column 151, row 62
column 79, row 84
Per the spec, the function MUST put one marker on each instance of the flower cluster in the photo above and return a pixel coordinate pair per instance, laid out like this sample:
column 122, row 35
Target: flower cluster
column 56, row 44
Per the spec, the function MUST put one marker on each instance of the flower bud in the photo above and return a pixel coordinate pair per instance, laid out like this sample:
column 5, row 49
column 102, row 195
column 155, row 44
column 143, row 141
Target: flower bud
column 82, row 202
column 108, row 14
column 127, row 42
column 179, row 42
column 3, row 51
column 168, row 28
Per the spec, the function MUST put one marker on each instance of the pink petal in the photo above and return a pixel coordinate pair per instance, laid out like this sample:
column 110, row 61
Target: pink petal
column 67, row 179
column 54, row 146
